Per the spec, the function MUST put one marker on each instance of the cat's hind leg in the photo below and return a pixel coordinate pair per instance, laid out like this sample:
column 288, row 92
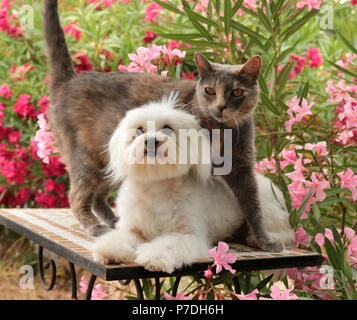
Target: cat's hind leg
column 81, row 199
column 171, row 251
column 101, row 206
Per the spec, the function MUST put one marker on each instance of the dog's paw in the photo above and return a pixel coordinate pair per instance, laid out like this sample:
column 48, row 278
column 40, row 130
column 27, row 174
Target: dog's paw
column 154, row 261
column 102, row 258
column 105, row 252
column 271, row 245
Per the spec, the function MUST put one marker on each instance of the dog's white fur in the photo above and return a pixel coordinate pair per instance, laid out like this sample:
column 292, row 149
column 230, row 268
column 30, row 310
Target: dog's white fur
column 171, row 214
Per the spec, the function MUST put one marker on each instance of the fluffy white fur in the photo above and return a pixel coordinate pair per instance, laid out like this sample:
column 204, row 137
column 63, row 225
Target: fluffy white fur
column 171, row 214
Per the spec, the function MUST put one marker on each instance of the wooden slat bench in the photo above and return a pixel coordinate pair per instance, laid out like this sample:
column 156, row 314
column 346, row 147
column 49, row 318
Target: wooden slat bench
column 58, row 231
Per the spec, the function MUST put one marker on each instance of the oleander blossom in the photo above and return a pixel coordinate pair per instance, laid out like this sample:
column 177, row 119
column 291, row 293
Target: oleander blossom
column 297, row 111
column 309, row 4
column 150, row 59
column 45, row 140
column 222, row 259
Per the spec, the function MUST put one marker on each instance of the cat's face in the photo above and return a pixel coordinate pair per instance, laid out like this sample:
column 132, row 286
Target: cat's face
column 228, row 93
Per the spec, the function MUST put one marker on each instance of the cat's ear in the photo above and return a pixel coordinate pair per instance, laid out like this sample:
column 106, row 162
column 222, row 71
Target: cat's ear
column 204, row 67
column 251, row 68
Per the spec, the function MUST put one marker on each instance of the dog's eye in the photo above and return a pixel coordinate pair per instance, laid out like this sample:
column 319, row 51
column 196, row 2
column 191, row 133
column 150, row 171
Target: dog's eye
column 139, row 131
column 210, row 91
column 237, row 92
column 166, row 129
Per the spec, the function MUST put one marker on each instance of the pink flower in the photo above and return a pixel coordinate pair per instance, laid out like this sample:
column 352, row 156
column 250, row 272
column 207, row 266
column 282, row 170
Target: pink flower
column 14, row 171
column 302, row 238
column 5, row 92
column 352, row 252
column 310, row 4
column 72, row 29
column 208, row 273
column 249, row 296
column 353, row 2
column 289, row 158
column 319, row 147
column 98, row 292
column 266, row 165
column 83, row 284
column 150, row 36
column 82, row 62
column 24, row 108
column 276, row 294
column 291, row 75
column 299, row 63
column 45, row 200
column 14, row 136
column 320, row 239
column 296, row 112
column 316, row 59
column 152, row 11
column 190, row 76
column 349, row 181
column 43, row 104
column 45, row 140
column 318, row 185
column 221, row 258
column 179, row 296
column 19, row 73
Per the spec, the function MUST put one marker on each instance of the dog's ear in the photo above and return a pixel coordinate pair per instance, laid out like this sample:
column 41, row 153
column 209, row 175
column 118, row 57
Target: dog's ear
column 117, row 167
column 200, row 149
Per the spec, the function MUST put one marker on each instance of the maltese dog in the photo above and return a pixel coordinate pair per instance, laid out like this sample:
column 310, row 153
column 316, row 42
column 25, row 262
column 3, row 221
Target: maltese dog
column 171, row 210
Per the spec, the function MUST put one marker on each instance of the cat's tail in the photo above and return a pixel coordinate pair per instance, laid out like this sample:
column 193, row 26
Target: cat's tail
column 59, row 59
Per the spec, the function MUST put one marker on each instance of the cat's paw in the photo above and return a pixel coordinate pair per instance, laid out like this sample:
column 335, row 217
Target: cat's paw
column 153, row 260
column 97, row 230
column 271, row 245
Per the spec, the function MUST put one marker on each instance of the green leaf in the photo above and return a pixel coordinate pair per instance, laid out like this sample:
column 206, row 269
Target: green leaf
column 263, row 283
column 298, row 214
column 227, row 17
column 283, row 78
column 304, row 92
column 264, row 19
column 236, row 7
column 168, row 6
column 297, row 25
column 342, row 69
column 238, row 26
column 276, row 8
column 192, row 16
column 180, row 36
column 346, row 42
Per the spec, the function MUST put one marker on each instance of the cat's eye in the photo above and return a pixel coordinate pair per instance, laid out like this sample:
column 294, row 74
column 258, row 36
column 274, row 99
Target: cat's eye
column 210, row 91
column 167, row 129
column 237, row 92
column 139, row 131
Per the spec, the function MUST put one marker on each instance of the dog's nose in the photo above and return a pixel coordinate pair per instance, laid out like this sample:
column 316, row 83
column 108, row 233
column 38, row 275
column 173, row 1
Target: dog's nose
column 221, row 107
column 151, row 143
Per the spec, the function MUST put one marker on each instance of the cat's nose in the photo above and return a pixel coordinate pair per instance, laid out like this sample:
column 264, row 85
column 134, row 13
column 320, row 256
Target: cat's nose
column 221, row 107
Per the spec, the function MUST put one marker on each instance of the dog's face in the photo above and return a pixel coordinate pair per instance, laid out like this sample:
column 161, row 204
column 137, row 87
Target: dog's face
column 157, row 142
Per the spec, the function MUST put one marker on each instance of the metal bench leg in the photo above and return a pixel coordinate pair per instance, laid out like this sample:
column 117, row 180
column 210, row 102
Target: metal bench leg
column 41, row 267
column 176, row 285
column 139, row 289
column 74, row 281
column 90, row 287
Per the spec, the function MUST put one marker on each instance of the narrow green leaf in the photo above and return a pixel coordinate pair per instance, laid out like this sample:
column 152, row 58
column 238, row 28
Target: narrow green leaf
column 238, row 26
column 227, row 17
column 297, row 25
column 346, row 42
column 342, row 69
column 236, row 7
column 264, row 19
column 263, row 283
column 168, row 6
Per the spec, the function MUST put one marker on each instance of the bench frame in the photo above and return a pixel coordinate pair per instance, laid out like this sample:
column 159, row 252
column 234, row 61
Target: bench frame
column 124, row 275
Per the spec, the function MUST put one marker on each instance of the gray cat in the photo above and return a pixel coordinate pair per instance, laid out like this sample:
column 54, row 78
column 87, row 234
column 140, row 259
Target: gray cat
column 85, row 110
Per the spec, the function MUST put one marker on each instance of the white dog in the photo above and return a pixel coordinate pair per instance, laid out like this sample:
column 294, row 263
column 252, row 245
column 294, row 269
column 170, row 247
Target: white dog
column 171, row 213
